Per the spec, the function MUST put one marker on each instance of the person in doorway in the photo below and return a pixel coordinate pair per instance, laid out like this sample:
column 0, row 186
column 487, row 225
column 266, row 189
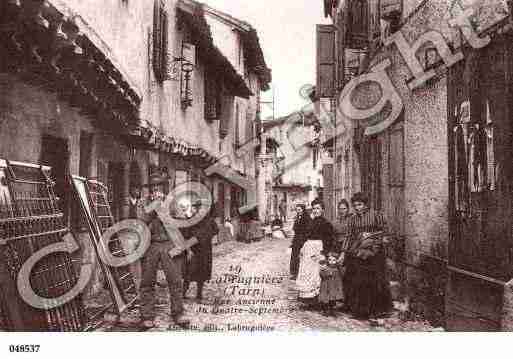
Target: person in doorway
column 199, row 267
column 158, row 253
column 229, row 226
column 282, row 207
column 317, row 246
column 301, row 230
column 367, row 292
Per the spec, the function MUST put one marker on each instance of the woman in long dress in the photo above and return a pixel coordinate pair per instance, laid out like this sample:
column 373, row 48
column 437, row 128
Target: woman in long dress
column 301, row 230
column 367, row 292
column 317, row 245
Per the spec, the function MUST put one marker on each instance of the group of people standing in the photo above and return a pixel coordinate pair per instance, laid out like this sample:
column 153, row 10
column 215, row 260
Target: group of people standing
column 192, row 265
column 341, row 262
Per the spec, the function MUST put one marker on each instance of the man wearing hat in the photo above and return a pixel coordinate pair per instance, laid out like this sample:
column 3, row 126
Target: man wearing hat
column 158, row 254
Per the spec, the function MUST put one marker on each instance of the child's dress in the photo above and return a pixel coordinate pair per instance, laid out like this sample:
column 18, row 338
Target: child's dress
column 331, row 284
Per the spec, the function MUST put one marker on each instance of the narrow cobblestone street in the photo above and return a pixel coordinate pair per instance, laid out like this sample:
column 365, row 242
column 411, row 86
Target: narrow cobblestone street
column 271, row 306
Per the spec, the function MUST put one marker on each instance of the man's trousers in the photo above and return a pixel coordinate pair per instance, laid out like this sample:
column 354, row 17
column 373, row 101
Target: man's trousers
column 158, row 253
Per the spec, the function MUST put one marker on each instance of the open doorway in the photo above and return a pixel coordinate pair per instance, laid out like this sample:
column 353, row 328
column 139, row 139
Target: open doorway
column 115, row 187
column 55, row 153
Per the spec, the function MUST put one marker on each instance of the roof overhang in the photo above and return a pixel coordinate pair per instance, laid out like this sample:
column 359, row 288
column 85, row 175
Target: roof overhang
column 193, row 15
column 254, row 55
column 72, row 61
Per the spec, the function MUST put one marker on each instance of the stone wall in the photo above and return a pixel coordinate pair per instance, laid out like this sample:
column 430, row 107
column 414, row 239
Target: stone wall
column 419, row 211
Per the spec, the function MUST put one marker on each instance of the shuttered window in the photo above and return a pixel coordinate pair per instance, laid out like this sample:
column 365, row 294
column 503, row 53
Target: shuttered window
column 326, row 61
column 160, row 40
column 328, row 191
column 226, row 118
column 249, row 133
column 340, row 38
column 364, row 25
column 211, row 97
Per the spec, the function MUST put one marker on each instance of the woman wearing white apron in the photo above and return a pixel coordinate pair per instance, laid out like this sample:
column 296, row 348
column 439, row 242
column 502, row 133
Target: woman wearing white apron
column 319, row 243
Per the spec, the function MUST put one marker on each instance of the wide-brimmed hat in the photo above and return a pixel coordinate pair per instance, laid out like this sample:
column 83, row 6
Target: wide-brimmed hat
column 156, row 179
column 197, row 203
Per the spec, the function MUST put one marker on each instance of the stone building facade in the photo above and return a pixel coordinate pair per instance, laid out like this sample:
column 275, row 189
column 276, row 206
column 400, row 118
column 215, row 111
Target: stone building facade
column 298, row 174
column 114, row 90
column 405, row 168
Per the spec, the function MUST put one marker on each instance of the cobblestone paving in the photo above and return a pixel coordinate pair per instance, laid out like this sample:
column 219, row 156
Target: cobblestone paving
column 256, row 307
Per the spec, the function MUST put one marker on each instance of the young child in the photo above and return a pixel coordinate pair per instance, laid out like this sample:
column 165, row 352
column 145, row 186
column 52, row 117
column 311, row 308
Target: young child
column 331, row 284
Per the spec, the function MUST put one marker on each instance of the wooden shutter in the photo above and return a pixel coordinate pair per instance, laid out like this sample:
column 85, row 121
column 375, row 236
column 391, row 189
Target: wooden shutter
column 340, row 38
column 249, row 128
column 157, row 31
column 237, row 126
column 224, row 125
column 160, row 40
column 164, row 44
column 364, row 25
column 374, row 21
column 328, row 197
column 325, row 60
column 211, row 96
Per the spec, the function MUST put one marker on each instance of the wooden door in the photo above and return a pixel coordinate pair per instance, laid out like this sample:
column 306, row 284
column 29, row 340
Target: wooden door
column 115, row 188
column 480, row 188
column 55, row 154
